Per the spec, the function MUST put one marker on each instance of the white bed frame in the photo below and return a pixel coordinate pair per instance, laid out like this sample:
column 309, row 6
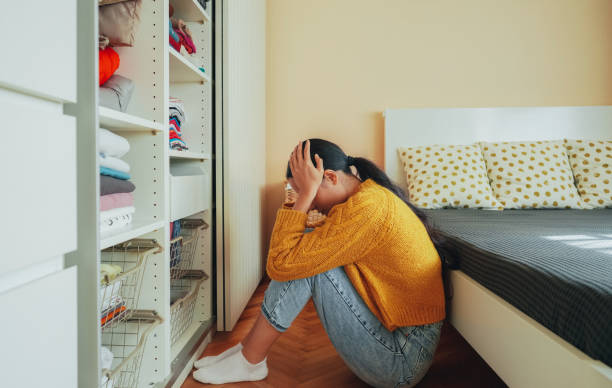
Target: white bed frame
column 520, row 350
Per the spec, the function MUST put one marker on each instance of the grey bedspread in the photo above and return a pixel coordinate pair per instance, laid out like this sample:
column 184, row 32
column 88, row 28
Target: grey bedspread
column 554, row 265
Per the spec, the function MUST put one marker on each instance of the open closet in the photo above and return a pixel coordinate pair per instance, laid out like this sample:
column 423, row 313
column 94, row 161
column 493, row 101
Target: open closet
column 144, row 112
column 121, row 259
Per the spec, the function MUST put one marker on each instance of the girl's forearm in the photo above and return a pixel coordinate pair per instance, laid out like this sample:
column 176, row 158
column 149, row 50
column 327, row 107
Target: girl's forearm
column 303, row 202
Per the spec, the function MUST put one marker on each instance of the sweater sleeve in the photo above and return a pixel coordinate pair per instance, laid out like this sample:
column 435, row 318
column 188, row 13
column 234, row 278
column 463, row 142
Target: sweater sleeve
column 349, row 232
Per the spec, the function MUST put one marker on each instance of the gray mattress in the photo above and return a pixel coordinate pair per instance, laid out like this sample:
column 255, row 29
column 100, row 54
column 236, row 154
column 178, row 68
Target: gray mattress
column 554, row 265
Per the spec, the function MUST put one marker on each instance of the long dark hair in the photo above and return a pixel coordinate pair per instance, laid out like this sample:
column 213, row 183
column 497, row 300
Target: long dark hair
column 335, row 159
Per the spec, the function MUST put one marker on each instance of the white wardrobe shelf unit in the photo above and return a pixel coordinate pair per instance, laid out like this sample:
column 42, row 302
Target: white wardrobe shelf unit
column 170, row 185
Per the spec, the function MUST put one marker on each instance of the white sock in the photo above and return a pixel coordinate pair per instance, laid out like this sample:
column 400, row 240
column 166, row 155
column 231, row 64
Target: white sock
column 232, row 369
column 208, row 360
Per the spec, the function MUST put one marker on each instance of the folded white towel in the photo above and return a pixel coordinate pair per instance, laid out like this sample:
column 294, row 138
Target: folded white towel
column 114, row 163
column 112, row 144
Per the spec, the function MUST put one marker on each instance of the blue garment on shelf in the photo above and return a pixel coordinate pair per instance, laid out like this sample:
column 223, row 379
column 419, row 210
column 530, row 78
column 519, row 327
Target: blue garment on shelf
column 173, row 33
column 114, row 173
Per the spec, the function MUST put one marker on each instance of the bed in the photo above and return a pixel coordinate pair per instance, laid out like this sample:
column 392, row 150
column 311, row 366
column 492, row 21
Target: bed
column 533, row 294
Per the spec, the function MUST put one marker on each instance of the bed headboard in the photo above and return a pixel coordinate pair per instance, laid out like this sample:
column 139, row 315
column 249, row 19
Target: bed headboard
column 417, row 127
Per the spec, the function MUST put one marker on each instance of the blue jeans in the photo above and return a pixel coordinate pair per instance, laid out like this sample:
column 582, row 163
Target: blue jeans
column 376, row 355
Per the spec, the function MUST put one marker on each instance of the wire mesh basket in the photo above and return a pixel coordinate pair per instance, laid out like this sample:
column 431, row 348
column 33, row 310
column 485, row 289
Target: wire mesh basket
column 183, row 297
column 123, row 349
column 122, row 270
column 183, row 245
column 315, row 218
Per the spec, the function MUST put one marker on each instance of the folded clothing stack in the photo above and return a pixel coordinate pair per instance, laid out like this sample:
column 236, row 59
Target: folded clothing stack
column 116, row 198
column 179, row 34
column 115, row 90
column 177, row 120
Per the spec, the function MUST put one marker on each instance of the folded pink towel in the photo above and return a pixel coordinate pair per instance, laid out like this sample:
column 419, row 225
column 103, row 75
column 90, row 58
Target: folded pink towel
column 114, row 201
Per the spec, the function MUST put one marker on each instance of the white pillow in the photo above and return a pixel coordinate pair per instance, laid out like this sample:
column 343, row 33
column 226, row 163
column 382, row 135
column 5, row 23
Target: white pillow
column 591, row 162
column 447, row 176
column 531, row 174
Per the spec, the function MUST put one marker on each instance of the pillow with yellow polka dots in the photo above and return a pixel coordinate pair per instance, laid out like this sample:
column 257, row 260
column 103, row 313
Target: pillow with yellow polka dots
column 441, row 176
column 591, row 162
column 531, row 174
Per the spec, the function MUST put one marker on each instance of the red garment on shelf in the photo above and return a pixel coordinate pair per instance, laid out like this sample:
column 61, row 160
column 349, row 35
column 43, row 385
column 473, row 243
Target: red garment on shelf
column 108, row 63
column 176, row 44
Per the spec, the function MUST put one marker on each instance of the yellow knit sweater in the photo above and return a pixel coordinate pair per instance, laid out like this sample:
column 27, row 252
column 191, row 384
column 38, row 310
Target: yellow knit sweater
column 383, row 246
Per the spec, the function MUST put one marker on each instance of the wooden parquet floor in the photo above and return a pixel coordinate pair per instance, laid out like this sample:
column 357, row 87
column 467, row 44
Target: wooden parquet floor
column 304, row 356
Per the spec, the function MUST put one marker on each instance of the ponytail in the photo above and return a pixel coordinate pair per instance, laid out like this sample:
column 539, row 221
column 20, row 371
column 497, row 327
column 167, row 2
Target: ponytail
column 366, row 169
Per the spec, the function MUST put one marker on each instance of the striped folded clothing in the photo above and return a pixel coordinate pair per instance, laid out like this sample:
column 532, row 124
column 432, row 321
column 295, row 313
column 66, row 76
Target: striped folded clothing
column 114, row 173
column 116, row 200
column 176, row 120
column 175, row 125
column 178, row 144
column 178, row 114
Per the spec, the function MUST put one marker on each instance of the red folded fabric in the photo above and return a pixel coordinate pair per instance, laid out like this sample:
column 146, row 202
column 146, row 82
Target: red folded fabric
column 175, row 44
column 117, row 200
column 186, row 41
column 108, row 63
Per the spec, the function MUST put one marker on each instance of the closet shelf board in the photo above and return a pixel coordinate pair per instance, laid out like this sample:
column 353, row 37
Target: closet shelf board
column 189, row 11
column 135, row 229
column 181, row 70
column 115, row 120
column 188, row 155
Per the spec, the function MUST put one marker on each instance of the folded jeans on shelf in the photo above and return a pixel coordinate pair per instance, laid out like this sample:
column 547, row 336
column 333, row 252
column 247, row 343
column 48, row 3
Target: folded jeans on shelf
column 116, row 200
column 114, row 173
column 111, row 144
column 110, row 185
column 113, row 163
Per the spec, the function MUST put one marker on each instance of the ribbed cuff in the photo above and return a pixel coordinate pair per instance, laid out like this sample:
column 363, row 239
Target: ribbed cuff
column 289, row 217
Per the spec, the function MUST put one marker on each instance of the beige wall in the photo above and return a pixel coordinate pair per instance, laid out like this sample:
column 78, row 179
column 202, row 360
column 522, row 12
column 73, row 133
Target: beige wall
column 334, row 65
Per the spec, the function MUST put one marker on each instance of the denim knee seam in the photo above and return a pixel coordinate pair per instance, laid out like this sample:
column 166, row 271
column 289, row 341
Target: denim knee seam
column 271, row 320
column 268, row 314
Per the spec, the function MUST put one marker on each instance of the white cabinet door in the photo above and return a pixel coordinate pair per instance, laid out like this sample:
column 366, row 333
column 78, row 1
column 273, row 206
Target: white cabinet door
column 38, row 181
column 38, row 333
column 244, row 136
column 39, row 48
